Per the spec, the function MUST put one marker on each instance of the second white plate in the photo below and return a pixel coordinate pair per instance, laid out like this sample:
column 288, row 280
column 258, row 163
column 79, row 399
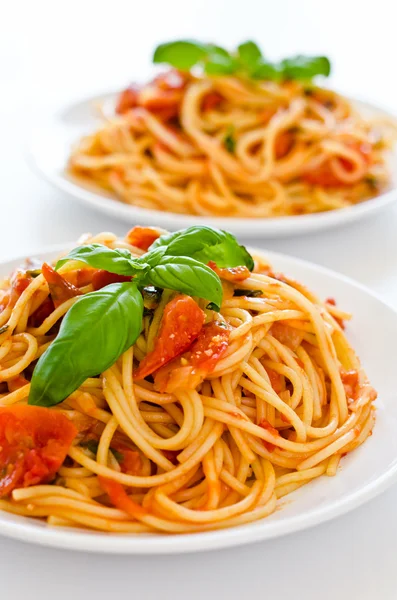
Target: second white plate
column 53, row 138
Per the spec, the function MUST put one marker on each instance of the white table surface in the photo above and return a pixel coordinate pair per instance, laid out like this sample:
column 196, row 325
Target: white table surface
column 54, row 51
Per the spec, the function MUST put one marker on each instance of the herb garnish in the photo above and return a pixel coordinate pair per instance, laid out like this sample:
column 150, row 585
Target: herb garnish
column 247, row 61
column 248, row 293
column 103, row 324
column 229, row 140
column 92, row 446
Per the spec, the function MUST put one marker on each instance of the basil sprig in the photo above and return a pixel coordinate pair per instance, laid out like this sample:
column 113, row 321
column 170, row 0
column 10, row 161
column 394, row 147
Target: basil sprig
column 117, row 261
column 205, row 244
column 101, row 325
column 183, row 274
column 96, row 330
column 247, row 60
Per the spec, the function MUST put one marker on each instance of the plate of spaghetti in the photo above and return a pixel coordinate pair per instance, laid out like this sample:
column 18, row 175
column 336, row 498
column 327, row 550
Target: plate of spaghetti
column 226, row 139
column 177, row 392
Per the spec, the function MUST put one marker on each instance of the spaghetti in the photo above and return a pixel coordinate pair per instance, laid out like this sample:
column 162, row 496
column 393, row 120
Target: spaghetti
column 269, row 397
column 233, row 146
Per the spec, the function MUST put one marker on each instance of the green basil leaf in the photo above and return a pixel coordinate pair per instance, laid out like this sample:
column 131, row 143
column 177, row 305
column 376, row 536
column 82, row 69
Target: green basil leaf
column 248, row 60
column 229, row 140
column 212, row 306
column 267, row 70
column 248, row 293
column 117, row 261
column 305, row 67
column 249, row 54
column 205, row 244
column 213, row 50
column 95, row 331
column 219, row 64
column 182, row 55
column 184, row 275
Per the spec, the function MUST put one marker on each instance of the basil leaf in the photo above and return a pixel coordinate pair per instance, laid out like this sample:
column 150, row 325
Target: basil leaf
column 182, row 54
column 96, row 330
column 219, row 62
column 205, row 244
column 249, row 54
column 248, row 293
column 229, row 140
column 212, row 306
column 213, row 50
column 305, row 67
column 248, row 60
column 220, row 66
column 117, row 261
column 267, row 70
column 184, row 275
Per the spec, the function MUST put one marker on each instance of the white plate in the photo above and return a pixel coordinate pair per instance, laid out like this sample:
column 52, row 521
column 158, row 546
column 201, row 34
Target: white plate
column 53, row 138
column 363, row 474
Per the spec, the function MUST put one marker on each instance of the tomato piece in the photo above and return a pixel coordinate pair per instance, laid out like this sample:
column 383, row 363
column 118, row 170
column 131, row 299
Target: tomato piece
column 176, row 375
column 324, row 175
column 102, row 278
column 189, row 370
column 231, row 273
column 211, row 101
column 120, row 499
column 155, row 99
column 289, row 336
column 164, row 94
column 60, row 289
column 276, row 380
column 210, row 346
column 34, row 442
column 131, row 461
column 266, row 425
column 41, row 313
column 283, row 144
column 182, row 322
column 171, row 80
column 20, row 280
column 80, row 277
column 350, row 382
column 128, row 99
column 142, row 237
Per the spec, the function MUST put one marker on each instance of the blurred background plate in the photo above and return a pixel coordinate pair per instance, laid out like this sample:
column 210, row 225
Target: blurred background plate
column 53, row 138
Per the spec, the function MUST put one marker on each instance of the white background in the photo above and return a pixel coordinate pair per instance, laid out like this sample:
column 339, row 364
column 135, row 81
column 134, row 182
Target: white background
column 53, row 51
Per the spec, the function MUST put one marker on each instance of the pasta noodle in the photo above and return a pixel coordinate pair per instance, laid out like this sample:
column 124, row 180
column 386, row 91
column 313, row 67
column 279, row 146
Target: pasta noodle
column 285, row 401
column 227, row 146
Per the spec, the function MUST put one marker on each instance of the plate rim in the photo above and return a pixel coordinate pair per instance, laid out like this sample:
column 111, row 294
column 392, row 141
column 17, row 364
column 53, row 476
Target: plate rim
column 97, row 542
column 267, row 228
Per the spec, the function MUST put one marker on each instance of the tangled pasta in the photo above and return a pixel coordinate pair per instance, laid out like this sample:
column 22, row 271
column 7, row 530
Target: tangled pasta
column 225, row 146
column 266, row 395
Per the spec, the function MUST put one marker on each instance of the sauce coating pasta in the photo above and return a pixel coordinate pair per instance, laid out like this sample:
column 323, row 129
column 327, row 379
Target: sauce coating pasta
column 266, row 394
